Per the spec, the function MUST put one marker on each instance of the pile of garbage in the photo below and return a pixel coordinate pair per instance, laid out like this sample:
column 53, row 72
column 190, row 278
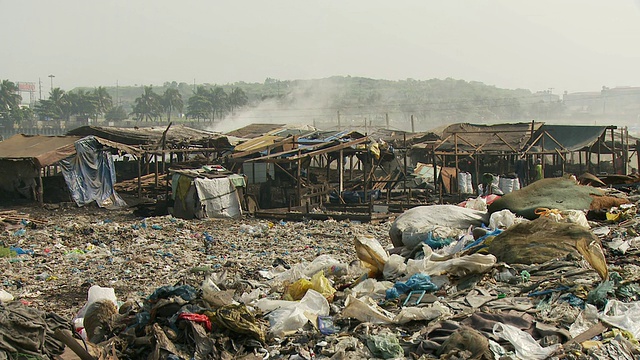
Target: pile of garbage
column 478, row 281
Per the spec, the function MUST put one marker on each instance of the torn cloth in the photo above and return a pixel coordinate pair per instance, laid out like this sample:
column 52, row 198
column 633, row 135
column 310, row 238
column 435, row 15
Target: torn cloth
column 30, row 331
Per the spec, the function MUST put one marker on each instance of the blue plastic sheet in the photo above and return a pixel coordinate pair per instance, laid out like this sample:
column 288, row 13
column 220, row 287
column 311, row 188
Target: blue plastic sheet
column 481, row 240
column 415, row 282
column 436, row 242
column 90, row 174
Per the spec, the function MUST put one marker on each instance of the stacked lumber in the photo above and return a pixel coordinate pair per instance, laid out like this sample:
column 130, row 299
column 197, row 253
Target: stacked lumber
column 147, row 182
column 13, row 217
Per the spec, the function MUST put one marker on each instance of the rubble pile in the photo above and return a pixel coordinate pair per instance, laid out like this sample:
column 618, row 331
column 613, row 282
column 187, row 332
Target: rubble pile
column 557, row 286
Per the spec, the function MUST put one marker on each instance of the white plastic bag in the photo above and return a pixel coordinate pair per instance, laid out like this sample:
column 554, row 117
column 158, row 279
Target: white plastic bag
column 377, row 290
column 5, row 296
column 394, row 267
column 625, row 316
column 427, row 313
column 324, row 263
column 504, row 219
column 289, row 316
column 365, row 310
column 526, row 346
column 478, row 203
column 464, row 265
column 577, row 217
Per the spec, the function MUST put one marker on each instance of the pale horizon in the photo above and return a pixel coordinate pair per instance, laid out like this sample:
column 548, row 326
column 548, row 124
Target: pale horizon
column 572, row 45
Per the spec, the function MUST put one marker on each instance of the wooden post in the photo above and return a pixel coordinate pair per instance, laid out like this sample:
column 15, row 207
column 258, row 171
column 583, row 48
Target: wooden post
column 299, row 180
column 435, row 170
column 341, row 172
column 350, row 167
column 600, row 139
column 613, row 151
column 155, row 157
column 40, row 192
column 140, row 175
column 580, row 160
column 638, row 154
column 328, row 168
column 365, row 165
column 455, row 141
column 404, row 177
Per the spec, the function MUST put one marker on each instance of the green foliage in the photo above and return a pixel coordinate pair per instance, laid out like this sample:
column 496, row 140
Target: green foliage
column 432, row 102
column 62, row 105
column 211, row 103
column 116, row 113
column 10, row 99
column 172, row 100
column 148, row 106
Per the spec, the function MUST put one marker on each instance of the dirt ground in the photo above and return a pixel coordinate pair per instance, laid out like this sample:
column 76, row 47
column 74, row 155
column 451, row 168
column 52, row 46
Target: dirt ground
column 81, row 247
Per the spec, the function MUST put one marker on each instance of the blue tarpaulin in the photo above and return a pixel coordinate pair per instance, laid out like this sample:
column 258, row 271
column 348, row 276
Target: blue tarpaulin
column 90, row 174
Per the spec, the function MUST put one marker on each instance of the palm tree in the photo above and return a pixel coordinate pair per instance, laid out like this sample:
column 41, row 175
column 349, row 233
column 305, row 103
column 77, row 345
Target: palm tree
column 172, row 100
column 148, row 106
column 219, row 102
column 199, row 105
column 84, row 104
column 237, row 99
column 103, row 100
column 9, row 100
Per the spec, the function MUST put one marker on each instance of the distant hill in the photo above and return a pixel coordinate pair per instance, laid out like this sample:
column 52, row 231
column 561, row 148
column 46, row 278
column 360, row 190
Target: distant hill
column 432, row 102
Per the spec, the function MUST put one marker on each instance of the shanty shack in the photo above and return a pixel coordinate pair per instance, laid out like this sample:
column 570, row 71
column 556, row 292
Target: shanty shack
column 50, row 168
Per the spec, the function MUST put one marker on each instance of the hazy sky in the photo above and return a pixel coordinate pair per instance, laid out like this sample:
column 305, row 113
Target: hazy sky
column 574, row 45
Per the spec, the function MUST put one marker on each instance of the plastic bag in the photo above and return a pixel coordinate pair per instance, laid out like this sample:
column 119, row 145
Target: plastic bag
column 371, row 287
column 365, row 312
column 369, row 251
column 577, row 217
column 288, row 316
column 622, row 315
column 385, row 346
column 475, row 263
column 327, row 264
column 394, row 267
column 318, row 282
column 478, row 203
column 297, row 290
column 322, row 285
column 415, row 282
column 427, row 313
column 526, row 346
column 502, row 219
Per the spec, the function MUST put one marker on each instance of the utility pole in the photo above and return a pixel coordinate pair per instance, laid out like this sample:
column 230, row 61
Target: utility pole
column 387, row 119
column 117, row 93
column 338, row 120
column 51, row 76
column 413, row 126
column 40, row 87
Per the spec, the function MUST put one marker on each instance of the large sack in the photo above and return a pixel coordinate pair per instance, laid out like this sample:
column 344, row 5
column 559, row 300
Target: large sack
column 413, row 226
column 543, row 239
column 553, row 193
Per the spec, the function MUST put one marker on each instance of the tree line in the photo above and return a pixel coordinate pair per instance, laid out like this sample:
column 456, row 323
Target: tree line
column 205, row 104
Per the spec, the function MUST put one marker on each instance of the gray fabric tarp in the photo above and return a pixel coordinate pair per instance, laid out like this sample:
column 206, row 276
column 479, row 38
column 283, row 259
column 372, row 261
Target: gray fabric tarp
column 205, row 198
column 572, row 137
column 90, row 174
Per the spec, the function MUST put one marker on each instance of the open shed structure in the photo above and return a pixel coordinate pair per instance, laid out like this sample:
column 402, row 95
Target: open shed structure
column 576, row 149
column 512, row 150
column 28, row 163
column 159, row 148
